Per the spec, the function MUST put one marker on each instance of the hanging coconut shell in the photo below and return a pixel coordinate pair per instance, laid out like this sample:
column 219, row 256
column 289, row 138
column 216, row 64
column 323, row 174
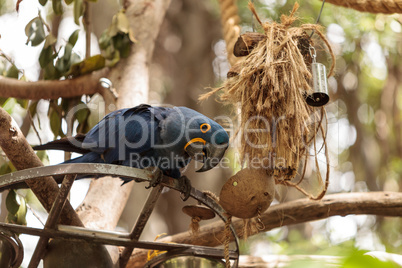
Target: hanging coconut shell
column 246, row 42
column 234, row 70
column 202, row 212
column 197, row 213
column 248, row 193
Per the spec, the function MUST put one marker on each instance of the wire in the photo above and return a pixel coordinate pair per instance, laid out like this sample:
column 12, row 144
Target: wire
column 319, row 15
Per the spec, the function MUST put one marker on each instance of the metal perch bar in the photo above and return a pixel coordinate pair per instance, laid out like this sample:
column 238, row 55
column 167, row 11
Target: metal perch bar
column 52, row 219
column 130, row 241
column 93, row 236
column 141, row 222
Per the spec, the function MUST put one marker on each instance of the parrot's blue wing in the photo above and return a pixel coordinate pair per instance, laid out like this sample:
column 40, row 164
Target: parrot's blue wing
column 107, row 132
column 127, row 137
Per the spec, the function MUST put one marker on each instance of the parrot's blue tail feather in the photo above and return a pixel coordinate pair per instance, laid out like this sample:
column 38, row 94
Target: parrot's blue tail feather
column 91, row 157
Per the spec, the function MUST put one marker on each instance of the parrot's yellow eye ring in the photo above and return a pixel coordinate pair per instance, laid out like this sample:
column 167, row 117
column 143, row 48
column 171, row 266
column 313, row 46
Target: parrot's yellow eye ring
column 205, row 127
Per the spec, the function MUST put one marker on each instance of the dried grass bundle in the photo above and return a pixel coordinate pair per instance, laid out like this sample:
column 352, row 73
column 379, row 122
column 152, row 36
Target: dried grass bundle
column 276, row 122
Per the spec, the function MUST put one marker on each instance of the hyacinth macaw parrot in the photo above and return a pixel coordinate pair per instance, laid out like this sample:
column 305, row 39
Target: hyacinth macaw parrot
column 146, row 136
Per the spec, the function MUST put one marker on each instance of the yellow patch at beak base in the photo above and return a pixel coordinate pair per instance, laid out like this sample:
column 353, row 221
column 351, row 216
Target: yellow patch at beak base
column 194, row 140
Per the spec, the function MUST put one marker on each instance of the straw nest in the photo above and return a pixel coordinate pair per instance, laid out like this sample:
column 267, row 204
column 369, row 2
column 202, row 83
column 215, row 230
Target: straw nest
column 276, row 124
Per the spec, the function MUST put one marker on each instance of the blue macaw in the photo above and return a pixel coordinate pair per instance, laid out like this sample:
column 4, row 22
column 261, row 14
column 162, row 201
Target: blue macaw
column 146, row 136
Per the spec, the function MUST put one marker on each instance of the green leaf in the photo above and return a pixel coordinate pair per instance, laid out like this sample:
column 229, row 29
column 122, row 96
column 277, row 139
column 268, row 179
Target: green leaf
column 95, row 114
column 31, row 199
column 82, row 114
column 50, row 40
column 55, row 123
column 32, row 108
column 75, row 58
column 29, row 26
column 123, row 24
column 46, row 56
column 113, row 29
column 11, row 202
column 35, row 31
column 68, row 2
column 67, row 52
column 13, row 72
column 88, row 65
column 358, row 259
column 57, row 7
column 50, row 72
column 105, row 40
column 131, row 36
column 9, row 105
column 73, row 37
column 123, row 44
column 43, row 156
column 78, row 10
column 61, row 66
column 114, row 59
column 2, row 101
column 6, row 168
column 23, row 103
column 22, row 213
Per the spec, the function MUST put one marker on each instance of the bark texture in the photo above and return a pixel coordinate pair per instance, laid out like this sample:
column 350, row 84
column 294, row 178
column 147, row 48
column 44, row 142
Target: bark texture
column 52, row 89
column 21, row 154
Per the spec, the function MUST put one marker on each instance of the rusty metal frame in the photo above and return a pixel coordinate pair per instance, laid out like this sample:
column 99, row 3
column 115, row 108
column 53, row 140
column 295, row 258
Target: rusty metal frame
column 16, row 245
column 127, row 240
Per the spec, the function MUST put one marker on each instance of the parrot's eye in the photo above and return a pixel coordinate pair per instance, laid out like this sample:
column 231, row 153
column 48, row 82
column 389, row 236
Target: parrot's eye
column 205, row 127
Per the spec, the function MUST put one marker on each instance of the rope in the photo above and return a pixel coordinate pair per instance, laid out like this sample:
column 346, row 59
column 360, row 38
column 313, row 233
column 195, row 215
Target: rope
column 211, row 195
column 194, row 225
column 372, row 6
column 227, row 240
column 260, row 224
column 246, row 227
column 230, row 24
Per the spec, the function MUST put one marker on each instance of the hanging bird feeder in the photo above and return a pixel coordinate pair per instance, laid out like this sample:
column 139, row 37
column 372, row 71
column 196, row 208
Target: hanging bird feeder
column 277, row 87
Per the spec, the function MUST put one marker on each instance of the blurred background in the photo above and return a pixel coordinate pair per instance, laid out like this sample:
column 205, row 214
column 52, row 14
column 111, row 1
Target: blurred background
column 364, row 114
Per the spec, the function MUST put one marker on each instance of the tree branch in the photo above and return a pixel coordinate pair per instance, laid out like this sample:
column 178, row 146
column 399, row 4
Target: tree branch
column 52, row 89
column 21, row 154
column 293, row 212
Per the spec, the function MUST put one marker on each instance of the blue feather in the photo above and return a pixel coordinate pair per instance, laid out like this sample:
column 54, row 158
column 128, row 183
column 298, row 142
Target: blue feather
column 145, row 136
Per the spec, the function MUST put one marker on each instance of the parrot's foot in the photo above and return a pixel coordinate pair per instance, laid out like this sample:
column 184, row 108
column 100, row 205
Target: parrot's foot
column 157, row 176
column 185, row 187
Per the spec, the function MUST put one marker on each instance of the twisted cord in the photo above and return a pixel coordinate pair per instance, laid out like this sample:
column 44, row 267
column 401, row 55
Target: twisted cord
column 227, row 240
column 230, row 25
column 372, row 6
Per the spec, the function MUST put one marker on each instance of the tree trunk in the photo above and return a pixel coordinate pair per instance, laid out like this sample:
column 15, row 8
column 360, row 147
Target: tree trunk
column 106, row 197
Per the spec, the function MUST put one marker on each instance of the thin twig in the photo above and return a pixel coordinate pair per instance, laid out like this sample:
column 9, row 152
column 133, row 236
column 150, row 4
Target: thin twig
column 88, row 28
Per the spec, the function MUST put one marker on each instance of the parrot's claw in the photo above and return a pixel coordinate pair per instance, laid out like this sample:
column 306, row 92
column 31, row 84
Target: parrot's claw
column 185, row 187
column 157, row 176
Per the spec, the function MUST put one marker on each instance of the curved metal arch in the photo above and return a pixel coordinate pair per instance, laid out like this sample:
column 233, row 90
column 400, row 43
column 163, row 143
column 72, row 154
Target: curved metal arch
column 138, row 175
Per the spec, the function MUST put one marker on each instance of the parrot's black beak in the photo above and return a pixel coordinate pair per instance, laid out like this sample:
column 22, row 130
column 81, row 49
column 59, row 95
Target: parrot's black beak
column 209, row 154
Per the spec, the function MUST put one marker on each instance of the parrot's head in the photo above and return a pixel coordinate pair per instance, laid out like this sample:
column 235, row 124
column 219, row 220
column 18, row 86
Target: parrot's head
column 198, row 136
